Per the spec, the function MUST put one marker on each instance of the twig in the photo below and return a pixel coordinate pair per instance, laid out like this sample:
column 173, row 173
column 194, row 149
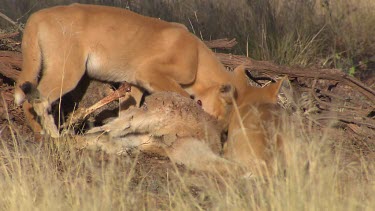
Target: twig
column 325, row 103
column 3, row 36
column 82, row 113
column 358, row 108
column 2, row 15
column 360, row 130
column 257, row 79
column 347, row 119
column 314, row 121
column 221, row 43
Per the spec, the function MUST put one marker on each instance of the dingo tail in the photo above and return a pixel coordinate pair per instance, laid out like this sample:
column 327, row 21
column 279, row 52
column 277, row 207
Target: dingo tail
column 32, row 60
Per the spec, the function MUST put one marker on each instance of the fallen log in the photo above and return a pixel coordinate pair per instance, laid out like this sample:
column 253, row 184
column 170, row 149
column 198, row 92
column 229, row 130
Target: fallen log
column 81, row 114
column 10, row 64
column 4, row 36
column 324, row 74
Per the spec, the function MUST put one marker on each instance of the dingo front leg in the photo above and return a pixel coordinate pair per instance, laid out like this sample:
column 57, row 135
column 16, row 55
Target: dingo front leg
column 155, row 80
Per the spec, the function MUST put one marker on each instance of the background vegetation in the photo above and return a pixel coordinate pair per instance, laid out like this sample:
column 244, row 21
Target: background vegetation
column 331, row 33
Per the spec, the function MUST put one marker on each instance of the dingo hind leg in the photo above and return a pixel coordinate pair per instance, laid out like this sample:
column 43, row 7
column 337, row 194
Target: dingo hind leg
column 31, row 67
column 31, row 59
column 60, row 75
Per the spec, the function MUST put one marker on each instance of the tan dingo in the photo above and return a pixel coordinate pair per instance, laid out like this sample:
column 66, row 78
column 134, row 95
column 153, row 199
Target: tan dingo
column 253, row 139
column 61, row 43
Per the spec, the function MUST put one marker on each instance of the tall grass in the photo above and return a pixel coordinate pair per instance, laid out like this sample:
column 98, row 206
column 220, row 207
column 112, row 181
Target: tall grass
column 330, row 33
column 57, row 176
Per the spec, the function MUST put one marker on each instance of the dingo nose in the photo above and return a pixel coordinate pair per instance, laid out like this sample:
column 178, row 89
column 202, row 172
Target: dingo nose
column 199, row 102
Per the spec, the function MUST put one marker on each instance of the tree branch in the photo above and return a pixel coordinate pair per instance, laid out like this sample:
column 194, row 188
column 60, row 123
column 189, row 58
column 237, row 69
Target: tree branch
column 2, row 15
column 3, row 36
column 326, row 74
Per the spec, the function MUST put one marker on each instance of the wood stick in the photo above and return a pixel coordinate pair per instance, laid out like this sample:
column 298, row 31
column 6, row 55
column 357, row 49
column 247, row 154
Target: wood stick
column 2, row 15
column 221, row 43
column 3, row 36
column 81, row 114
column 347, row 119
column 326, row 74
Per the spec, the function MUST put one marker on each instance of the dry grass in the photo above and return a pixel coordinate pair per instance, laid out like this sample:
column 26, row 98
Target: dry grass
column 320, row 174
column 331, row 33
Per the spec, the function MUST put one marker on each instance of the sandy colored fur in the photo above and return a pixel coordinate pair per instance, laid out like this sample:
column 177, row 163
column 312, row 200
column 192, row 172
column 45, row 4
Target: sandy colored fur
column 114, row 45
column 118, row 45
column 254, row 138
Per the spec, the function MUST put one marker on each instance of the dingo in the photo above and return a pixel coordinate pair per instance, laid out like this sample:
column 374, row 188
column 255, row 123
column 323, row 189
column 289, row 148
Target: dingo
column 253, row 140
column 61, row 43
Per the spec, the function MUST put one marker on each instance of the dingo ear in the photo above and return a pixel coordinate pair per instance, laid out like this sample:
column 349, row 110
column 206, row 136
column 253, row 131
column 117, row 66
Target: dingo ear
column 274, row 89
column 227, row 92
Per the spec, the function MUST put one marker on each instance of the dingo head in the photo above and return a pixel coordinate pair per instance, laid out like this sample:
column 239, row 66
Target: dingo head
column 254, row 95
column 253, row 124
column 217, row 101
